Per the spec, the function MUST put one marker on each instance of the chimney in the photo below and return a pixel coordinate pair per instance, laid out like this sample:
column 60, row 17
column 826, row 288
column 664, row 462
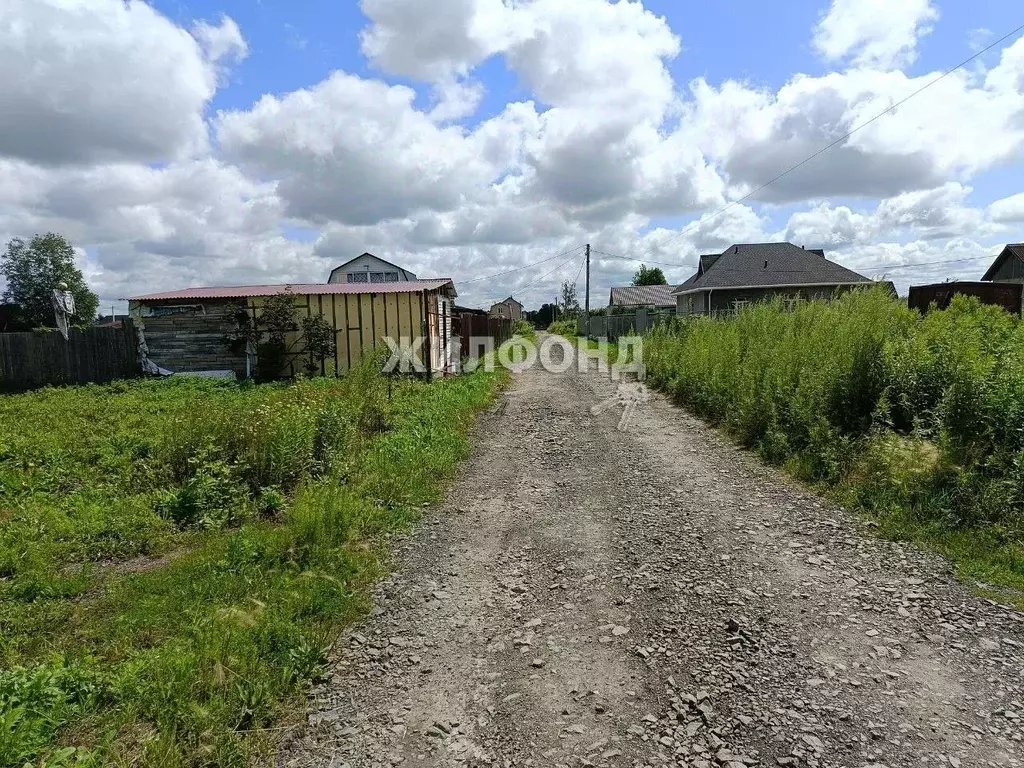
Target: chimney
column 766, row 263
column 735, row 249
column 803, row 247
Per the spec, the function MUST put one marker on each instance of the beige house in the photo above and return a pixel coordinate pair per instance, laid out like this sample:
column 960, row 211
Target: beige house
column 369, row 269
column 509, row 308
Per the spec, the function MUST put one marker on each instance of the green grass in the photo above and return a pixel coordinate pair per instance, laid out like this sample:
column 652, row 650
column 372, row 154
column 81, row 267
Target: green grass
column 914, row 421
column 176, row 557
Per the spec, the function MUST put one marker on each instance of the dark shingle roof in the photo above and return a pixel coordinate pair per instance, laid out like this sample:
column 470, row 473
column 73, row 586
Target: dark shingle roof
column 642, row 295
column 768, row 264
column 1012, row 249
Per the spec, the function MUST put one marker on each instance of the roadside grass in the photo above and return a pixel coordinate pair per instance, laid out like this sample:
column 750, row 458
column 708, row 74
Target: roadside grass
column 176, row 557
column 915, row 421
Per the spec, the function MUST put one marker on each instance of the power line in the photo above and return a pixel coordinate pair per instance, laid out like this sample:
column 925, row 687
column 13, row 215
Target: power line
column 840, row 140
column 643, row 261
column 542, row 277
column 520, row 269
column 893, row 267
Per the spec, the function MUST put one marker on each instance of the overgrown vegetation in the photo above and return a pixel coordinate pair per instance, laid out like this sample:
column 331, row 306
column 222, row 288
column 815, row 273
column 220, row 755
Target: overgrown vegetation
column 525, row 329
column 563, row 328
column 176, row 556
column 915, row 420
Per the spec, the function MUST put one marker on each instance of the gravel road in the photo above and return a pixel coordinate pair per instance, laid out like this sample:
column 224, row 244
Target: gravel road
column 653, row 596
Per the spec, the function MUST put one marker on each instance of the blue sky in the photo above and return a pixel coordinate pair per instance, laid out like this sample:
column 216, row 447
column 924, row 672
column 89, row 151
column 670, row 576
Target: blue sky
column 262, row 141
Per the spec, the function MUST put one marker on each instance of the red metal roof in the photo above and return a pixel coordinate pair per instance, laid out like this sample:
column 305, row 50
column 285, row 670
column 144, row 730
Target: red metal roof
column 299, row 289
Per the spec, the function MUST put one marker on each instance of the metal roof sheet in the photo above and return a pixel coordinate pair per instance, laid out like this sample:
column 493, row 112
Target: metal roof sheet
column 642, row 295
column 299, row 289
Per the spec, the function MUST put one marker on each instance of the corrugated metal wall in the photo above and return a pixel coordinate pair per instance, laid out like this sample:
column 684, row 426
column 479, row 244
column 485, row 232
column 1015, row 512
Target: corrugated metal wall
column 361, row 322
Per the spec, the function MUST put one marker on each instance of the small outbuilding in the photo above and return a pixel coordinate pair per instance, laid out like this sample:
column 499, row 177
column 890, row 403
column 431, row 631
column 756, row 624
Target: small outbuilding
column 642, row 297
column 197, row 329
column 1005, row 295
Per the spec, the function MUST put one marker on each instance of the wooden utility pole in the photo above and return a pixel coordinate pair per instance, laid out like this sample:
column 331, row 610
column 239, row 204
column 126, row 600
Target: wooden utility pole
column 587, row 300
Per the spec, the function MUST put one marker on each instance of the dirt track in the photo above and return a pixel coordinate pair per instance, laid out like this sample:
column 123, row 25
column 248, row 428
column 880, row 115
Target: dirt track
column 653, row 596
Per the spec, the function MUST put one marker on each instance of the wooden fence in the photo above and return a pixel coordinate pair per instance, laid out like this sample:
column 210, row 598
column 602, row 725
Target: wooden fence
column 38, row 358
column 470, row 326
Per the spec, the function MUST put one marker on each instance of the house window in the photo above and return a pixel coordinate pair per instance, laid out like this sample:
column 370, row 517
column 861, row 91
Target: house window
column 738, row 305
column 358, row 277
column 376, row 277
column 390, row 277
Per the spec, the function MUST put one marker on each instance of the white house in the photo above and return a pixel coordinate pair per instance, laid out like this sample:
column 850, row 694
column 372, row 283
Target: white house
column 369, row 269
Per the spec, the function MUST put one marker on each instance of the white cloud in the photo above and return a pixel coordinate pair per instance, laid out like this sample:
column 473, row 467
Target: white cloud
column 874, row 33
column 1008, row 209
column 604, row 146
column 955, row 129
column 354, row 151
column 102, row 80
column 933, row 214
column 455, row 99
column 221, row 41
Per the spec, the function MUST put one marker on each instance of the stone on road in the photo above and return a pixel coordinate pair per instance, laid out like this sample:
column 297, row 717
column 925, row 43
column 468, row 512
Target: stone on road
column 653, row 596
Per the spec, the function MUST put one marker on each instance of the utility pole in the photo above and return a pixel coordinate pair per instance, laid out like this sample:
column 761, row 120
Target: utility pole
column 587, row 300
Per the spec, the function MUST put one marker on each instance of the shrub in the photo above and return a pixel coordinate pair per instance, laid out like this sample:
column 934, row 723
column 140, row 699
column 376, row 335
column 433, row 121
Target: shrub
column 563, row 327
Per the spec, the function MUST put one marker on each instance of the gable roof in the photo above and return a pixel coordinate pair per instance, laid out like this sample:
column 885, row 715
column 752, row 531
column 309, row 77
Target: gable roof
column 642, row 295
column 1012, row 250
column 307, row 289
column 371, row 255
column 506, row 301
column 755, row 265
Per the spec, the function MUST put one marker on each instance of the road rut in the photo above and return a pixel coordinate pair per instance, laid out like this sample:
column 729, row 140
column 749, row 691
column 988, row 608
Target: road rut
column 653, row 596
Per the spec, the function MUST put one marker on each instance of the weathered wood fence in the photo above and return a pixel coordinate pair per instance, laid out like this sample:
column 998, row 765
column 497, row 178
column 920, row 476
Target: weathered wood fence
column 37, row 358
column 470, row 326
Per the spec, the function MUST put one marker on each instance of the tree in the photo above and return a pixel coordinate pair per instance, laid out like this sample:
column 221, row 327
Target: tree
column 320, row 342
column 34, row 269
column 276, row 320
column 649, row 276
column 570, row 304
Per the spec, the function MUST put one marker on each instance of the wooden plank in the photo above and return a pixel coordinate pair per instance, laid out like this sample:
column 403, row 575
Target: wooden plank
column 392, row 317
column 365, row 321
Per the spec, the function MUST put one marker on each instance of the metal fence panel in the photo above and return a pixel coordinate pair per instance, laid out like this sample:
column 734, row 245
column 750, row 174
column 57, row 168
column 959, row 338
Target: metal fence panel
column 611, row 327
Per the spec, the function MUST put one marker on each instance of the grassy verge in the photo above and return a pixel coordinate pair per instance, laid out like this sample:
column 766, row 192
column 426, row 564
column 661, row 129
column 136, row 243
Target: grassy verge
column 914, row 421
column 176, row 557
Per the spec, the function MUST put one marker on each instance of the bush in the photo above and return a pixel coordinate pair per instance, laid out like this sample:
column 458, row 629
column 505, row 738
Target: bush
column 563, row 328
column 524, row 328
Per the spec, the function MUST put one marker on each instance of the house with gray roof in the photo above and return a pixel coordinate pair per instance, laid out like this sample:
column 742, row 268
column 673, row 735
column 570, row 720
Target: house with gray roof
column 642, row 297
column 747, row 273
column 1008, row 266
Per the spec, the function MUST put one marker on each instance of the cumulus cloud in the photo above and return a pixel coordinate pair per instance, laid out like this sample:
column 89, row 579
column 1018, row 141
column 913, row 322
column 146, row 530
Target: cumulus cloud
column 874, row 33
column 354, row 151
column 604, row 146
column 959, row 127
column 221, row 42
column 104, row 80
column 1008, row 209
column 932, row 214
